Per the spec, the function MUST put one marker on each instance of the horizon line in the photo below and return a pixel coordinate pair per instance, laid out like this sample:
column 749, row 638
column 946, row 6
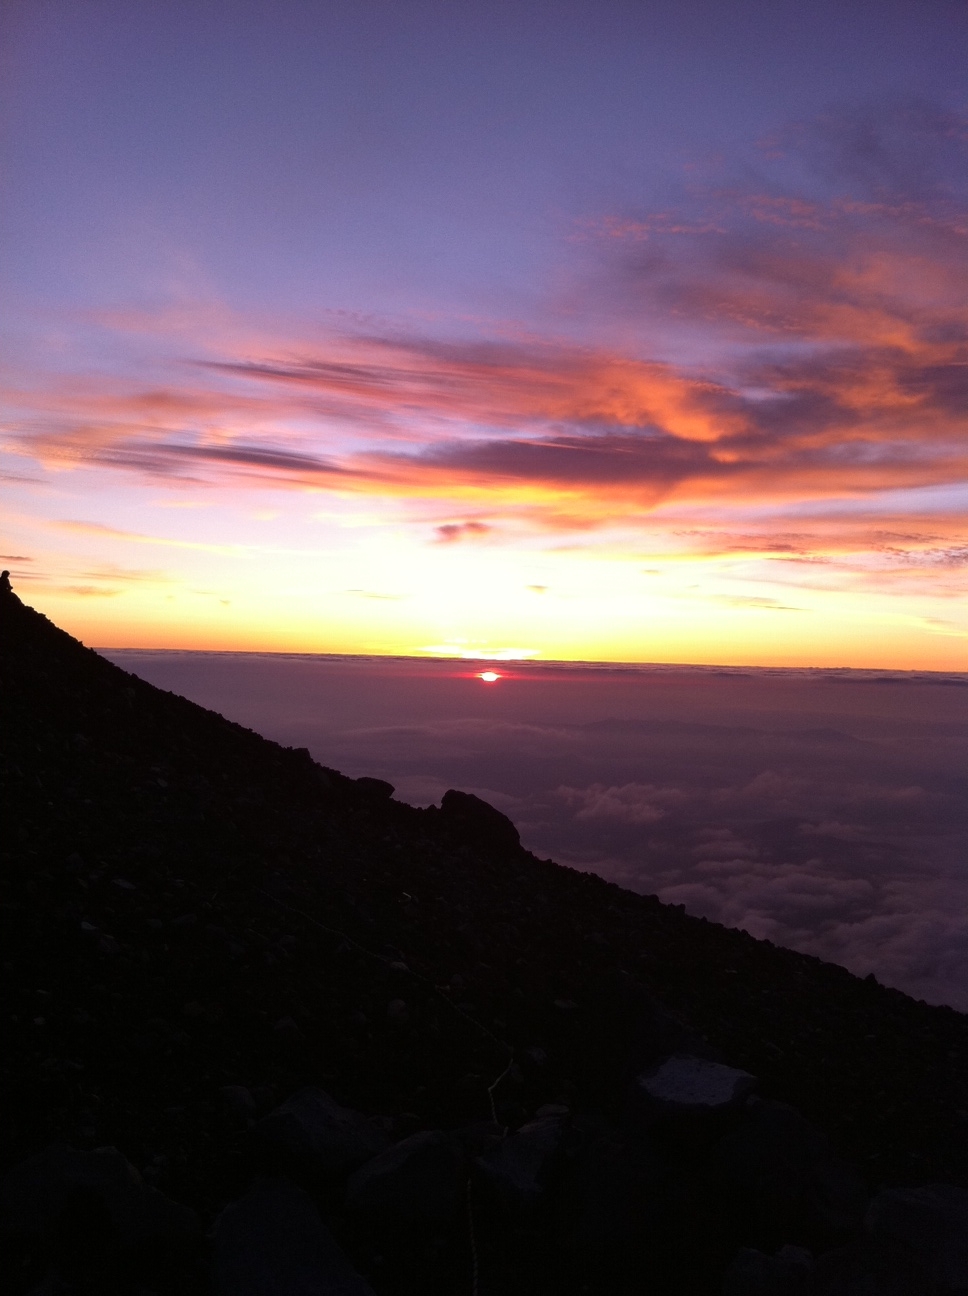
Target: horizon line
column 881, row 672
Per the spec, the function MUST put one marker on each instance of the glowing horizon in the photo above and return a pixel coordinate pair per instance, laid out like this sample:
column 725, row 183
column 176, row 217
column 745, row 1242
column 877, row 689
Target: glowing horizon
column 714, row 414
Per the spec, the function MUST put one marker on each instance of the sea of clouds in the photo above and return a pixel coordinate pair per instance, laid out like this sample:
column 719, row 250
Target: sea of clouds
column 823, row 810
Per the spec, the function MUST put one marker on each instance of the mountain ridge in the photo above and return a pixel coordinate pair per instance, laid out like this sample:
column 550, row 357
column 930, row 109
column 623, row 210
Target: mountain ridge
column 190, row 908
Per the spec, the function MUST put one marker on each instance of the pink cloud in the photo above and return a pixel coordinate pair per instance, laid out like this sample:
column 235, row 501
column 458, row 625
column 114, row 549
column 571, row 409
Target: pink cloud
column 632, row 803
column 592, row 425
column 452, row 532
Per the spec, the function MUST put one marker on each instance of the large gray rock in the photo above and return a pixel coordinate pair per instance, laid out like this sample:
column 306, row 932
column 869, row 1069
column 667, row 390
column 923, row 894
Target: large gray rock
column 516, row 1166
column 928, row 1227
column 40, row 1196
column 273, row 1243
column 310, row 1133
column 694, row 1084
column 419, row 1180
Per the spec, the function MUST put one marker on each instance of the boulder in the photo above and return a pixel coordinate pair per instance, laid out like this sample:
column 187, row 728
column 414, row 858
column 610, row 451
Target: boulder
column 777, row 1176
column 694, row 1084
column 273, row 1243
column 928, row 1228
column 686, row 1102
column 477, row 822
column 398, row 1014
column 374, row 789
column 864, row 1268
column 240, row 1101
column 611, row 1199
column 418, row 1181
column 311, row 1134
column 787, row 1273
column 87, row 1223
column 479, row 1137
column 659, row 1034
column 517, row 1166
column 41, row 1197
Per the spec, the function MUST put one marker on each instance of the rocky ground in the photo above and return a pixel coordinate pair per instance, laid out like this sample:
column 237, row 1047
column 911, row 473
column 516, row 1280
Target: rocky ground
column 415, row 1057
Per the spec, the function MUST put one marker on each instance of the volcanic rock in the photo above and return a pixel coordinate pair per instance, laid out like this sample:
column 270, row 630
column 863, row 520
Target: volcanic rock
column 311, row 1134
column 273, row 1243
column 477, row 821
column 516, row 1166
column 777, row 1173
column 418, row 1181
column 689, row 1084
column 788, row 1273
column 927, row 1226
column 305, row 896
column 37, row 1194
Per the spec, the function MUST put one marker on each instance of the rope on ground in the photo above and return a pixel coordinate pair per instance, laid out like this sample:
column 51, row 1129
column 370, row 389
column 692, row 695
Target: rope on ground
column 472, row 1235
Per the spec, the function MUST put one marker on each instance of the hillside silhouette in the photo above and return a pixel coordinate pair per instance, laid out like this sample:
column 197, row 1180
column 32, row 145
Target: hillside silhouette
column 199, row 924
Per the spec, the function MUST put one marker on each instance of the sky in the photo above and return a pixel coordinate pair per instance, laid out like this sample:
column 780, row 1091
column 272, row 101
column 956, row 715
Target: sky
column 601, row 330
column 823, row 810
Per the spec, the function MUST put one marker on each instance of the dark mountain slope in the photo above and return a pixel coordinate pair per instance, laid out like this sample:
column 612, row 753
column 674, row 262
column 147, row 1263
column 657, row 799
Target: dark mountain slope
column 187, row 906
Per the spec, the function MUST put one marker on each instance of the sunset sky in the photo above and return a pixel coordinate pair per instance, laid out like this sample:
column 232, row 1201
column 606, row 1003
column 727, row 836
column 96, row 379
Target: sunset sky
column 599, row 330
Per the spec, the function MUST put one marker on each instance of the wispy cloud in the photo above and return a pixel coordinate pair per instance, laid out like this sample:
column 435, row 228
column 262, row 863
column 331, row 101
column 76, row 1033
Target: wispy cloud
column 754, row 601
column 452, row 532
column 98, row 529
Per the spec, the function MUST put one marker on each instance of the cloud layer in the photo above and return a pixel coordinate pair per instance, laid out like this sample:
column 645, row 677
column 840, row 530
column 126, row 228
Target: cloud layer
column 826, row 811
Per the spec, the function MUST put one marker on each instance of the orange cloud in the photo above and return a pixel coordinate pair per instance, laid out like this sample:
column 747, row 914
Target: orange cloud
column 485, row 421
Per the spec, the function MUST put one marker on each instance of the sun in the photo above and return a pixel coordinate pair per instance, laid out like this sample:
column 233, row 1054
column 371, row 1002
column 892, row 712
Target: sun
column 489, row 677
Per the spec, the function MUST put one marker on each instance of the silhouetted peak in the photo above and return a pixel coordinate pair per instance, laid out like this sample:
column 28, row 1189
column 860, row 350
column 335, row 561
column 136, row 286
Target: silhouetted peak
column 205, row 928
column 6, row 589
column 479, row 819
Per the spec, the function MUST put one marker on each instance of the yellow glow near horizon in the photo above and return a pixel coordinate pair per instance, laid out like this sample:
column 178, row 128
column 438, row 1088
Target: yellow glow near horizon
column 405, row 558
column 753, row 455
column 490, row 606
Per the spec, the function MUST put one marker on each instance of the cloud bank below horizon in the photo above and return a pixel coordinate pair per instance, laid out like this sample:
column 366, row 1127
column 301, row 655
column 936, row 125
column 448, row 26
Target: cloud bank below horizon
column 826, row 812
